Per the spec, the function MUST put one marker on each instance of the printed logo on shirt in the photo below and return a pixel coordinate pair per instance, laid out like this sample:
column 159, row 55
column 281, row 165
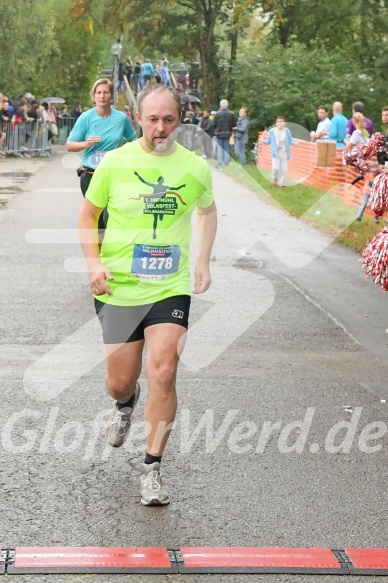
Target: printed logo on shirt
column 158, row 203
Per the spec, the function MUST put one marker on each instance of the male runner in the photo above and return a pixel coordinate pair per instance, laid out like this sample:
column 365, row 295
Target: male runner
column 141, row 279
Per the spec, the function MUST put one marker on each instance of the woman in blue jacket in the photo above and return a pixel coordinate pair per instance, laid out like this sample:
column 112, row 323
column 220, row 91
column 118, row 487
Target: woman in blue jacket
column 280, row 139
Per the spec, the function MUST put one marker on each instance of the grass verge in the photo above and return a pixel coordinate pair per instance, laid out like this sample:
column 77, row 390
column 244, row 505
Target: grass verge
column 324, row 211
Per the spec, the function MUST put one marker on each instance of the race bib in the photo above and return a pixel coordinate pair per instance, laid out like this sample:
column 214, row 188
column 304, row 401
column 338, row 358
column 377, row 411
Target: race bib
column 95, row 158
column 155, row 262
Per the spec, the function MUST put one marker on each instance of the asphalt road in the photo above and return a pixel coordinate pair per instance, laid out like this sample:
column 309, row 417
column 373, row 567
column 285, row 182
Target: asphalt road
column 290, row 341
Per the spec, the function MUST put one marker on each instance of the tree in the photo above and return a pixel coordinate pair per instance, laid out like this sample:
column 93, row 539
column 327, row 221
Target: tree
column 292, row 81
column 47, row 52
column 26, row 39
column 181, row 28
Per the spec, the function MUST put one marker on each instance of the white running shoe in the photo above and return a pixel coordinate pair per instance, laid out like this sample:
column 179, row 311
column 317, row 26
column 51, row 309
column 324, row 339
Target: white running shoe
column 152, row 491
column 118, row 422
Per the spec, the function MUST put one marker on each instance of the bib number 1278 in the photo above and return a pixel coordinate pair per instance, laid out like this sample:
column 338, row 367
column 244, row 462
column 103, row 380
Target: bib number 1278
column 155, row 262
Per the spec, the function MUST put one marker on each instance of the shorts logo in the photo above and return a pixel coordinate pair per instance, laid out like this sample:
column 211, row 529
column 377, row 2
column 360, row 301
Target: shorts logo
column 178, row 314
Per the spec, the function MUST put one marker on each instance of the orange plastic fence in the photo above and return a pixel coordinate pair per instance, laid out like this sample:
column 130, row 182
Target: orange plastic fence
column 303, row 168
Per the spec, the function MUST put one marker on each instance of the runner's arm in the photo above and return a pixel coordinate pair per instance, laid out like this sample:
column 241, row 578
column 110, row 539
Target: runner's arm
column 78, row 146
column 206, row 228
column 88, row 233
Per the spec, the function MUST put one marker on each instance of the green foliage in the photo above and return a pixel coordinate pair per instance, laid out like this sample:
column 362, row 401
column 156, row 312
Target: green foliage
column 26, row 38
column 275, row 56
column 293, row 80
column 47, row 53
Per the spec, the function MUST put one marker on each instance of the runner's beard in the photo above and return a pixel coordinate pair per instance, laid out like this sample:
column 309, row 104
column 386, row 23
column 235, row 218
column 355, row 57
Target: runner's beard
column 168, row 140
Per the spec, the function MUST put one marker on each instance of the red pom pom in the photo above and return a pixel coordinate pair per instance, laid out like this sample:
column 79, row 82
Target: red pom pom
column 378, row 199
column 359, row 155
column 374, row 259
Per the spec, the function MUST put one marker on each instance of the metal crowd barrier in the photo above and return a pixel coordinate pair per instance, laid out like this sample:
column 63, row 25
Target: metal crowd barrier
column 33, row 138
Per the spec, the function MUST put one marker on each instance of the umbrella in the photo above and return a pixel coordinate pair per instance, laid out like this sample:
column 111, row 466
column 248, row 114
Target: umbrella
column 190, row 99
column 53, row 100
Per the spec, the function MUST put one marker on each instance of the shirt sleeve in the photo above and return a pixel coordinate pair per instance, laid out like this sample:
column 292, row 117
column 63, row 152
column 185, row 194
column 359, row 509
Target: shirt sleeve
column 268, row 138
column 207, row 198
column 78, row 133
column 333, row 130
column 355, row 138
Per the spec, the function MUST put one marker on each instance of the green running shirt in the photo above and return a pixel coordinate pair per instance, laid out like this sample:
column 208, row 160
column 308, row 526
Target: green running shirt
column 150, row 200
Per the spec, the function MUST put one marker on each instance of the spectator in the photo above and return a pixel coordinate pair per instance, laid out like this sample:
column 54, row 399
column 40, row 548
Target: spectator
column 382, row 157
column 206, row 126
column 33, row 111
column 164, row 73
column 76, row 111
column 358, row 107
column 181, row 75
column 138, row 81
column 53, row 110
column 241, row 135
column 120, row 78
column 64, row 112
column 128, row 69
column 194, row 73
column 127, row 112
column 224, row 123
column 5, row 113
column 360, row 134
column 63, row 120
column 148, row 72
column 158, row 75
column 280, row 139
column 16, row 120
column 48, row 120
column 337, row 131
column 323, row 127
column 17, row 116
column 195, row 119
column 10, row 105
column 188, row 119
column 3, row 123
column 3, row 135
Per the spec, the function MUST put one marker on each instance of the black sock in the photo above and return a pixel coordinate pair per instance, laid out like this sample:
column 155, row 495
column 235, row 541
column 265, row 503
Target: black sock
column 127, row 404
column 150, row 459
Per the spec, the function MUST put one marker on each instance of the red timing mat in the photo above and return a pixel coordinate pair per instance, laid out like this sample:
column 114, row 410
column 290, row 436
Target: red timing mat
column 368, row 561
column 94, row 559
column 256, row 559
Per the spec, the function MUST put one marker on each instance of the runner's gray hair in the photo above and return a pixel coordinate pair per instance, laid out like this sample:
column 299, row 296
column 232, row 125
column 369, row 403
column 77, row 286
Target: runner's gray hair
column 158, row 88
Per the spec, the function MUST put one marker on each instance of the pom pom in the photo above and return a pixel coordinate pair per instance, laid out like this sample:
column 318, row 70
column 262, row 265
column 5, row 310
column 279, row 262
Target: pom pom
column 359, row 155
column 378, row 199
column 374, row 259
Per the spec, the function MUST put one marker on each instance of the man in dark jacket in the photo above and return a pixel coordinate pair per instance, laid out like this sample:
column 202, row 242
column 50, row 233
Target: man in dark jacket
column 224, row 123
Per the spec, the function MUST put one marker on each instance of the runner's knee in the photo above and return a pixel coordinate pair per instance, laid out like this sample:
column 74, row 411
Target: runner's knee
column 120, row 386
column 164, row 373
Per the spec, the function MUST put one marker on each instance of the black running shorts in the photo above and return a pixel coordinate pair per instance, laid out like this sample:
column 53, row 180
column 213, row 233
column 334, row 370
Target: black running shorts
column 127, row 323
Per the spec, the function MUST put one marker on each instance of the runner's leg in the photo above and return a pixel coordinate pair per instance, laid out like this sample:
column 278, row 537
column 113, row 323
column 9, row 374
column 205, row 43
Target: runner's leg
column 164, row 344
column 123, row 367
